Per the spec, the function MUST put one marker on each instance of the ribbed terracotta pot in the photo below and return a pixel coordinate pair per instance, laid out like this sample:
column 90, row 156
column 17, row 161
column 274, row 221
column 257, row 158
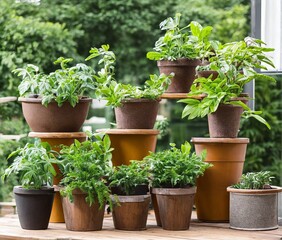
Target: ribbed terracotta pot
column 175, row 207
column 227, row 155
column 54, row 118
column 34, row 207
column 137, row 113
column 79, row 216
column 131, row 213
column 55, row 139
column 254, row 209
column 131, row 144
column 184, row 73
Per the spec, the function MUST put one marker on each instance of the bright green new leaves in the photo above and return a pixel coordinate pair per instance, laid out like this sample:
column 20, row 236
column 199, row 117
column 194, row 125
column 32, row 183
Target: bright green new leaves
column 254, row 180
column 176, row 167
column 180, row 42
column 34, row 164
column 84, row 166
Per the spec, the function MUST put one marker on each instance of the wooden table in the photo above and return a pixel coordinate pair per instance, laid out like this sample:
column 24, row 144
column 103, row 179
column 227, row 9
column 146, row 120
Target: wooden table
column 10, row 229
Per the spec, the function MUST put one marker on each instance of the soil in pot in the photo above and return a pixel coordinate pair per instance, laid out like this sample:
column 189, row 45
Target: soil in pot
column 34, row 207
column 138, row 190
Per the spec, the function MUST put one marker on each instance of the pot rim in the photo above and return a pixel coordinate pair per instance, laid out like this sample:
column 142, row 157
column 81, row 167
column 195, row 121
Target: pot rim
column 130, row 198
column 274, row 189
column 39, row 100
column 197, row 140
column 43, row 191
column 55, row 135
column 117, row 131
column 179, row 62
column 174, row 191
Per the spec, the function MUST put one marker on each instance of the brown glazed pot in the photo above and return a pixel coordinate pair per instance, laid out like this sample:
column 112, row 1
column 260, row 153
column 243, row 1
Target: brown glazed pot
column 131, row 144
column 53, row 118
column 34, row 207
column 137, row 114
column 184, row 73
column 55, row 139
column 79, row 216
column 175, row 207
column 227, row 155
column 131, row 213
column 225, row 121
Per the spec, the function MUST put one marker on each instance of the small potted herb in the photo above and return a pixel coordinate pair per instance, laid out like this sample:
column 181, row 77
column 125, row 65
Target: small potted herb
column 129, row 183
column 56, row 102
column 135, row 107
column 173, row 175
column 34, row 198
column 180, row 51
column 254, row 202
column 85, row 167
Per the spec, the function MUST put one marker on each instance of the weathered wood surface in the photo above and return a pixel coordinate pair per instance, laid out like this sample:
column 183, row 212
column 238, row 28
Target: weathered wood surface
column 10, row 229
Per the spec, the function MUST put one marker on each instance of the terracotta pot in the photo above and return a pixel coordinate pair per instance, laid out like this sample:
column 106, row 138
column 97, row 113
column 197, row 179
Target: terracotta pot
column 227, row 156
column 55, row 139
column 53, row 118
column 137, row 114
column 175, row 207
column 79, row 216
column 184, row 73
column 225, row 121
column 254, row 209
column 131, row 144
column 207, row 73
column 34, row 207
column 131, row 212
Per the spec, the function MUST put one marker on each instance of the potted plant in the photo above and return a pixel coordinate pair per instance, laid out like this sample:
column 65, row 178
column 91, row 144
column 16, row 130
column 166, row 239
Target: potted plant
column 55, row 102
column 85, row 167
column 135, row 107
column 254, row 202
column 34, row 198
column 129, row 184
column 223, row 101
column 173, row 175
column 180, row 51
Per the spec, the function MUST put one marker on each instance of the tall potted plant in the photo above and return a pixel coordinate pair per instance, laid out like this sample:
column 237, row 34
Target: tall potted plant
column 34, row 198
column 129, row 184
column 180, row 51
column 173, row 174
column 58, row 97
column 254, row 202
column 85, row 167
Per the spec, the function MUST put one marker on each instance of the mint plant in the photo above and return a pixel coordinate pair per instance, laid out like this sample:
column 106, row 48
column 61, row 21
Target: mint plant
column 176, row 167
column 34, row 165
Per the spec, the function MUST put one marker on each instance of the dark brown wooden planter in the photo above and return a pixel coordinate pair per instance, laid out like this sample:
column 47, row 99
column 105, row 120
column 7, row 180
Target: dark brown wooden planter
column 54, row 118
column 34, row 207
column 137, row 114
column 131, row 213
column 79, row 216
column 156, row 208
column 184, row 73
column 175, row 207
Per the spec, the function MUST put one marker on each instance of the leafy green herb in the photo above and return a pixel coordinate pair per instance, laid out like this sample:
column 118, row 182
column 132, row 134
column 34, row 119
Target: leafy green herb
column 176, row 167
column 254, row 180
column 34, row 164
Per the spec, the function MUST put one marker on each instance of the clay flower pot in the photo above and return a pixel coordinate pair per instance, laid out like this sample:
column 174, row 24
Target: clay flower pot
column 55, row 139
column 227, row 156
column 34, row 207
column 184, row 73
column 54, row 118
column 131, row 144
column 131, row 213
column 175, row 207
column 137, row 113
column 254, row 209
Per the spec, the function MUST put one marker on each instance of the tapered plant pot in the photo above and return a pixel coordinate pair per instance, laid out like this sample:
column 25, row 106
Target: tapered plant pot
column 131, row 212
column 227, row 155
column 131, row 144
column 34, row 207
column 137, row 113
column 156, row 208
column 55, row 139
column 79, row 216
column 54, row 118
column 184, row 73
column 254, row 209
